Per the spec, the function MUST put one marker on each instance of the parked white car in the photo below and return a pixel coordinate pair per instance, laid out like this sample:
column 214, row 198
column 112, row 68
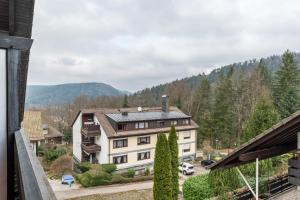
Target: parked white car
column 186, row 168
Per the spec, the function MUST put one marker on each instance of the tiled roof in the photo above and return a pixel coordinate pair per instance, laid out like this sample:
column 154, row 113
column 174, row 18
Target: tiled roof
column 53, row 132
column 32, row 125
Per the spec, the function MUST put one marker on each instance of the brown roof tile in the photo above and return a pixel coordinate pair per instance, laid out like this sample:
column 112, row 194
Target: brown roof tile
column 32, row 125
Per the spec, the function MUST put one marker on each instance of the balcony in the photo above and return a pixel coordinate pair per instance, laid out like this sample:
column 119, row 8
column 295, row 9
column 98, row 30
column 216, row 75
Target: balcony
column 31, row 181
column 91, row 130
column 90, row 147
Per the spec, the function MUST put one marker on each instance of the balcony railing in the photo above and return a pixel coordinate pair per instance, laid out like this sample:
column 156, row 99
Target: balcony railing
column 91, row 130
column 90, row 147
column 31, row 180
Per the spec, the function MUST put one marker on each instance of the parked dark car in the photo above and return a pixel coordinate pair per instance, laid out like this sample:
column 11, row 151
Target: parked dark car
column 205, row 163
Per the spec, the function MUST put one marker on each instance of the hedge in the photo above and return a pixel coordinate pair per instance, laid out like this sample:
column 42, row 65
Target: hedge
column 53, row 154
column 109, row 168
column 197, row 188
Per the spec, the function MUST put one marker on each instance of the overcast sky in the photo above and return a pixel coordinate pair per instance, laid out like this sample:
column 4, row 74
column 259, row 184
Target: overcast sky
column 134, row 44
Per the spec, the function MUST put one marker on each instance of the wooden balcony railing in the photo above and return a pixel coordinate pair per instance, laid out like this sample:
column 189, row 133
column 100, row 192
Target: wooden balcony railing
column 90, row 147
column 31, row 180
column 91, row 130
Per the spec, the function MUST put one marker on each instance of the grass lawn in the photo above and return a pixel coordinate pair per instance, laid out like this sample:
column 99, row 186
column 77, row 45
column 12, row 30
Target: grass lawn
column 130, row 195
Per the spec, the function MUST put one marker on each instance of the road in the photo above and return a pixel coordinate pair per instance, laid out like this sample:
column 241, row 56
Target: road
column 65, row 192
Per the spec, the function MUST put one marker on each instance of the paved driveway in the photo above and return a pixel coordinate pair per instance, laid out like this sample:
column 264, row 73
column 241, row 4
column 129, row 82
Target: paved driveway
column 66, row 192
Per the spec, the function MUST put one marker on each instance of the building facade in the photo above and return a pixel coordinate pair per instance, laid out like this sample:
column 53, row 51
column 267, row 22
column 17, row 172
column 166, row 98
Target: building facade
column 127, row 137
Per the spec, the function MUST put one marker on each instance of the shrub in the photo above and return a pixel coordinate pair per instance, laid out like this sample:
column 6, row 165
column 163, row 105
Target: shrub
column 197, row 188
column 147, row 171
column 109, row 168
column 62, row 165
column 53, row 154
column 223, row 181
column 130, row 173
column 84, row 167
column 118, row 178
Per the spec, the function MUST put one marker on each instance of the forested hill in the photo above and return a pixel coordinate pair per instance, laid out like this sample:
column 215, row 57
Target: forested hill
column 41, row 95
column 272, row 63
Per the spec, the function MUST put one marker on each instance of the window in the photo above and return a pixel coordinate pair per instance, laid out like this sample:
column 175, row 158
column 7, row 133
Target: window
column 174, row 122
column 144, row 155
column 143, row 140
column 186, row 122
column 120, row 143
column 186, row 148
column 141, row 125
column 160, row 123
column 186, row 135
column 120, row 159
column 121, row 127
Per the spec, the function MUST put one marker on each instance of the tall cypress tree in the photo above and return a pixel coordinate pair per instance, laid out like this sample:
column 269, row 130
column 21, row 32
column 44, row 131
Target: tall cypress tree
column 174, row 162
column 286, row 86
column 162, row 189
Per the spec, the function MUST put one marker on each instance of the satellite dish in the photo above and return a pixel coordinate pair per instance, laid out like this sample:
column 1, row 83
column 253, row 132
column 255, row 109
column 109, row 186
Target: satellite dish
column 140, row 109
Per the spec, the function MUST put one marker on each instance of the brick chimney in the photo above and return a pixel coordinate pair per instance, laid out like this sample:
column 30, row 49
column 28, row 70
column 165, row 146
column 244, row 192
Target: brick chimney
column 165, row 103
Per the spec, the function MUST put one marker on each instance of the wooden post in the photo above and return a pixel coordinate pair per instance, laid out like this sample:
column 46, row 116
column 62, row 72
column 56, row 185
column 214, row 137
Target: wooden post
column 13, row 121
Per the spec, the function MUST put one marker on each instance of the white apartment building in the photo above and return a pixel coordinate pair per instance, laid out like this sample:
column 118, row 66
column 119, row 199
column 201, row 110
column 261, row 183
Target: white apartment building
column 127, row 137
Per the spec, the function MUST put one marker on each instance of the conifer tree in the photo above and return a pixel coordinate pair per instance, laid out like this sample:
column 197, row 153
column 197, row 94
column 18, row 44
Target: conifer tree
column 286, row 86
column 223, row 111
column 174, row 162
column 125, row 101
column 263, row 116
column 162, row 189
column 202, row 110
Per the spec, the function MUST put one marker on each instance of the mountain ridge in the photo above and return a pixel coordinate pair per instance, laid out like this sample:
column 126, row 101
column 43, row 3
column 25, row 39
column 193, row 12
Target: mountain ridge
column 42, row 95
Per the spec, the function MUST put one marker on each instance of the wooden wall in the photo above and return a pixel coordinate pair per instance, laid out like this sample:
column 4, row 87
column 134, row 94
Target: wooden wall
column 3, row 15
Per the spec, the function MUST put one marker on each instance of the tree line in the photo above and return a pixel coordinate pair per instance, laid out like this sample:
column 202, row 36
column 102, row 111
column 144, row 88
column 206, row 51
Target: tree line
column 222, row 107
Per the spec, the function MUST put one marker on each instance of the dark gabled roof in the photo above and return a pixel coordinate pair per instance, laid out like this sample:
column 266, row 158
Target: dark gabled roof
column 279, row 139
column 143, row 116
column 16, row 17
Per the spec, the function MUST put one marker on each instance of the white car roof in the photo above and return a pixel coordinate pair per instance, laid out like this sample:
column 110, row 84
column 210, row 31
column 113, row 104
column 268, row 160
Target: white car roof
column 187, row 164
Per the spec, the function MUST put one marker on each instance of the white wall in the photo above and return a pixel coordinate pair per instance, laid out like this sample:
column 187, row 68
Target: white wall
column 3, row 129
column 77, row 137
column 103, row 142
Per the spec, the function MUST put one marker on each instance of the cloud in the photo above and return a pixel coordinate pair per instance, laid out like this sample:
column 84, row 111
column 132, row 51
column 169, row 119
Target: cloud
column 133, row 44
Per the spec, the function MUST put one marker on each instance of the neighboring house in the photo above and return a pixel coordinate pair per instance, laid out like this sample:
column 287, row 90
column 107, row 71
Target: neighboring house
column 127, row 137
column 37, row 132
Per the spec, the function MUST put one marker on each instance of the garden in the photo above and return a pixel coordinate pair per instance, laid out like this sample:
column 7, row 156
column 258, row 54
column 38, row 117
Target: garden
column 57, row 161
column 222, row 183
column 106, row 174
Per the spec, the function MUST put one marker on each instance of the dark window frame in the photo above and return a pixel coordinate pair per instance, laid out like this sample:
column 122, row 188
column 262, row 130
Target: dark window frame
column 123, row 127
column 148, row 140
column 147, row 153
column 124, row 159
column 124, row 143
